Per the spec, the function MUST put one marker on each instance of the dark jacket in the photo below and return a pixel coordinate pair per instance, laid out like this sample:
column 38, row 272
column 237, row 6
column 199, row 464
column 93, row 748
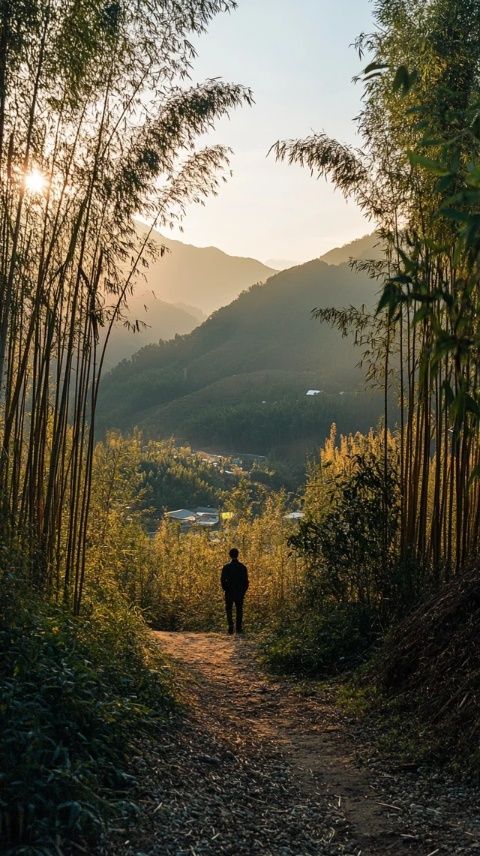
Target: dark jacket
column 234, row 578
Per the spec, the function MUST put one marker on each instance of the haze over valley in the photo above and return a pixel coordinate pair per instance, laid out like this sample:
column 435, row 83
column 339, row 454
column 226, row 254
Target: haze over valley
column 239, row 381
column 178, row 290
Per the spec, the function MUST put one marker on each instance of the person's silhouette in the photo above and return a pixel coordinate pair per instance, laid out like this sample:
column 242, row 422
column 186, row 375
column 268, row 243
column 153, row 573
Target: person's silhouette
column 234, row 581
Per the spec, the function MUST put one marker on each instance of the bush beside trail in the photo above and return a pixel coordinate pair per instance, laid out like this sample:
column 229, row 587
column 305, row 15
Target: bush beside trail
column 325, row 644
column 72, row 692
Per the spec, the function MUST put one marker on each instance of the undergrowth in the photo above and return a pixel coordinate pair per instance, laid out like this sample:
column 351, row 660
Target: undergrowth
column 72, row 692
column 395, row 733
column 320, row 644
column 428, row 670
column 415, row 688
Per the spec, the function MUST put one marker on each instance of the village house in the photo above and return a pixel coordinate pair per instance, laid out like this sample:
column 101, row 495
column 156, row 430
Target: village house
column 202, row 516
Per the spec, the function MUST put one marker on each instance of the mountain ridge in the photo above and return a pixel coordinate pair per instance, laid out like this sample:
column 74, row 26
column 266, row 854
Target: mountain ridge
column 361, row 249
column 177, row 291
column 219, row 277
column 250, row 364
column 182, row 287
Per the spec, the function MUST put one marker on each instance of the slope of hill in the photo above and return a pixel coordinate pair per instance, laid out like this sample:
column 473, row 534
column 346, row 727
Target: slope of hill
column 242, row 376
column 362, row 249
column 157, row 320
column 178, row 291
column 204, row 277
column 280, row 264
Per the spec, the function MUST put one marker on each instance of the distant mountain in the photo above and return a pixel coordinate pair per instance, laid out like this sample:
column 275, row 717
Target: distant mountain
column 280, row 264
column 157, row 320
column 238, row 382
column 362, row 249
column 182, row 287
column 178, row 291
column 204, row 277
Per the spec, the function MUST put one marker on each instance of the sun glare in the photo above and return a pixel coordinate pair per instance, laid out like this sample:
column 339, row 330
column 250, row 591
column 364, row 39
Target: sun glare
column 35, row 181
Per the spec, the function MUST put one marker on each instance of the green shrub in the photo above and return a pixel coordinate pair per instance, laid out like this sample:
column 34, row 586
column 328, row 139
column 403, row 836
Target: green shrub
column 322, row 644
column 72, row 691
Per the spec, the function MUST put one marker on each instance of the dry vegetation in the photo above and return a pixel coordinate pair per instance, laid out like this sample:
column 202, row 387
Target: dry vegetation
column 431, row 666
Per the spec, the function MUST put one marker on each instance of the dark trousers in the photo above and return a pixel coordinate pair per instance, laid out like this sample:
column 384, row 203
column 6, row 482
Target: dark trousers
column 237, row 599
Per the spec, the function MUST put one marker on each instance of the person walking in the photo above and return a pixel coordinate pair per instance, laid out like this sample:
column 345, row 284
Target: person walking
column 234, row 582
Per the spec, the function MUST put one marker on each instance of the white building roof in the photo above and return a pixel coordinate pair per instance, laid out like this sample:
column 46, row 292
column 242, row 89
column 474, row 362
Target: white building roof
column 181, row 514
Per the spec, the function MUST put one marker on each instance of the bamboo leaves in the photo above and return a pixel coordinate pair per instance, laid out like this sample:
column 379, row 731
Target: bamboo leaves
column 323, row 155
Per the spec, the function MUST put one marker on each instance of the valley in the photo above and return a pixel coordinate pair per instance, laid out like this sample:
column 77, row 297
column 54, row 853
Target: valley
column 240, row 379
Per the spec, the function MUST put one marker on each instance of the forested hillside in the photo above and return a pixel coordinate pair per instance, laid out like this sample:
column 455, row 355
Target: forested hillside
column 147, row 320
column 362, row 249
column 240, row 379
column 179, row 288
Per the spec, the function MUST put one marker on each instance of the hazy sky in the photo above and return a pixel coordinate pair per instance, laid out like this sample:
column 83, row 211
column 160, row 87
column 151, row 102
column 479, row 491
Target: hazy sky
column 297, row 57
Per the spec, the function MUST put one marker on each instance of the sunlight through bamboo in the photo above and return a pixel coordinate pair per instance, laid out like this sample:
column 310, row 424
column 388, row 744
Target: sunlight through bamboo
column 35, row 182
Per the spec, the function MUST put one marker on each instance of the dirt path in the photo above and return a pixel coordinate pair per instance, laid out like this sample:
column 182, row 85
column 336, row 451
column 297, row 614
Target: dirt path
column 248, row 706
column 259, row 768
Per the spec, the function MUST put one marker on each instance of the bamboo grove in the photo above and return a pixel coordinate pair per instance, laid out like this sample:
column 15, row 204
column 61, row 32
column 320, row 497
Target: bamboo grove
column 98, row 124
column 416, row 175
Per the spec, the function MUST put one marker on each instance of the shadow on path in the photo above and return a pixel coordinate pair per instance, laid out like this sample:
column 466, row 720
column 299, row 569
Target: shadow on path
column 233, row 699
column 258, row 766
